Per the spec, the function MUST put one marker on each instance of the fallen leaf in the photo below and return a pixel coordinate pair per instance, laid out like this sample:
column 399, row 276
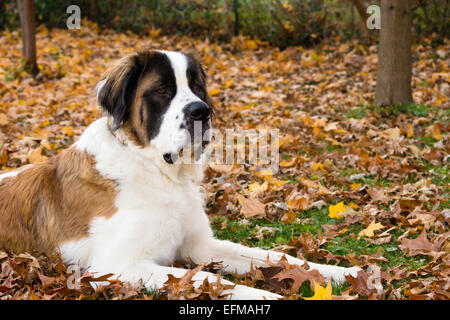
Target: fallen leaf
column 3, row 119
column 420, row 245
column 297, row 200
column 251, row 207
column 288, row 217
column 336, row 210
column 369, row 231
column 321, row 293
column 299, row 275
column 36, row 155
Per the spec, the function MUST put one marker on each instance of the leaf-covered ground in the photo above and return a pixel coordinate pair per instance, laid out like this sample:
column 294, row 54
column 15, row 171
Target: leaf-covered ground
column 357, row 185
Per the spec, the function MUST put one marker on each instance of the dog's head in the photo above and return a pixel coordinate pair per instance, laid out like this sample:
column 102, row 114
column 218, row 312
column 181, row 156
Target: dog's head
column 158, row 99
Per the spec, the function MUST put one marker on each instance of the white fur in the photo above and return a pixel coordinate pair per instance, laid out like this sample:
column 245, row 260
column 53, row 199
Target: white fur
column 13, row 173
column 160, row 216
column 171, row 138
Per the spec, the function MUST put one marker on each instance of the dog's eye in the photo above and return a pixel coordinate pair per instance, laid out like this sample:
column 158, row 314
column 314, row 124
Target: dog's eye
column 162, row 91
column 198, row 90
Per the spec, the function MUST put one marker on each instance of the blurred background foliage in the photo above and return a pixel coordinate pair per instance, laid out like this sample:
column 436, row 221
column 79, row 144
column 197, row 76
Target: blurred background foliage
column 280, row 23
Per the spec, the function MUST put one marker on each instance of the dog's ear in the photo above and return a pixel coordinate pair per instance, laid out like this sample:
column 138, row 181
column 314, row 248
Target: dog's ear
column 115, row 93
column 207, row 98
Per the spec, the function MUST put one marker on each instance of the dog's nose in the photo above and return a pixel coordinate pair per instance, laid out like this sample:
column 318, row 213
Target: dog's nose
column 199, row 111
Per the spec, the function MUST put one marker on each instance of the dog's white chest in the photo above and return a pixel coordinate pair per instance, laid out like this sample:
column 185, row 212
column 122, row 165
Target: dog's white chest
column 150, row 224
column 149, row 220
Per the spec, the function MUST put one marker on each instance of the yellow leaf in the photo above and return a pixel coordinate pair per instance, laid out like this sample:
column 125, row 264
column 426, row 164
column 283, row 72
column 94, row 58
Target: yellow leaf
column 321, row 293
column 369, row 231
column 435, row 131
column 335, row 210
column 353, row 205
column 36, row 155
column 409, row 131
column 317, row 166
column 68, row 130
column 280, row 183
column 316, row 131
column 258, row 188
column 214, row 92
column 250, row 45
column 355, row 186
column 229, row 83
column 45, row 123
column 267, row 173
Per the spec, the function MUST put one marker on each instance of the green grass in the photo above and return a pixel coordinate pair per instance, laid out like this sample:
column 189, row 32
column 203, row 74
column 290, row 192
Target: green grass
column 356, row 113
column 342, row 245
column 238, row 232
column 429, row 141
column 440, row 174
column 418, row 110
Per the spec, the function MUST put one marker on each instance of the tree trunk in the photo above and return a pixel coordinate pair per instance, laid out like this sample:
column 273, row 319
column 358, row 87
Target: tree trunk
column 394, row 55
column 228, row 4
column 92, row 9
column 236, row 17
column 361, row 8
column 27, row 24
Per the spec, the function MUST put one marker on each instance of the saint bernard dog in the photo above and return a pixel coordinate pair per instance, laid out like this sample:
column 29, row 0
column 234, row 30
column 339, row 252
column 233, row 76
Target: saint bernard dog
column 117, row 201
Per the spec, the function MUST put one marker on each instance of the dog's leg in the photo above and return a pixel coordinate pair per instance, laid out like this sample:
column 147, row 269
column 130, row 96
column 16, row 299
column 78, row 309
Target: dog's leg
column 238, row 258
column 154, row 276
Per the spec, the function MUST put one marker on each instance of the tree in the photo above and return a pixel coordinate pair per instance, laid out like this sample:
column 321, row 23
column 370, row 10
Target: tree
column 361, row 8
column 27, row 24
column 394, row 55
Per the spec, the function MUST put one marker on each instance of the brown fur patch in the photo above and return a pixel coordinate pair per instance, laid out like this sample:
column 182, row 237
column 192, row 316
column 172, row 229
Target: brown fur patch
column 53, row 202
column 136, row 128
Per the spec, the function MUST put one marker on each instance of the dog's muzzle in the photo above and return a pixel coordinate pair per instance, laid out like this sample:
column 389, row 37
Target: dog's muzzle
column 197, row 116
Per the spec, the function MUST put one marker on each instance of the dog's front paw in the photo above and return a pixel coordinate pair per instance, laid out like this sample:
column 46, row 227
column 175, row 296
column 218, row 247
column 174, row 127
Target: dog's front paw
column 246, row 293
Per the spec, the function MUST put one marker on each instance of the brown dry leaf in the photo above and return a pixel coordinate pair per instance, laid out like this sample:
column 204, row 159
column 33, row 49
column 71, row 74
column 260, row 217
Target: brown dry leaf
column 222, row 168
column 3, row 119
column 316, row 186
column 393, row 134
column 378, row 195
column 361, row 284
column 179, row 287
column 297, row 200
column 251, row 207
column 288, row 163
column 39, row 134
column 420, row 245
column 299, row 274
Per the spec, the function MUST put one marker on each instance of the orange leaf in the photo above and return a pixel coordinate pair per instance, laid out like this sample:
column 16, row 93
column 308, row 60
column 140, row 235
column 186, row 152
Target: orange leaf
column 36, row 155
